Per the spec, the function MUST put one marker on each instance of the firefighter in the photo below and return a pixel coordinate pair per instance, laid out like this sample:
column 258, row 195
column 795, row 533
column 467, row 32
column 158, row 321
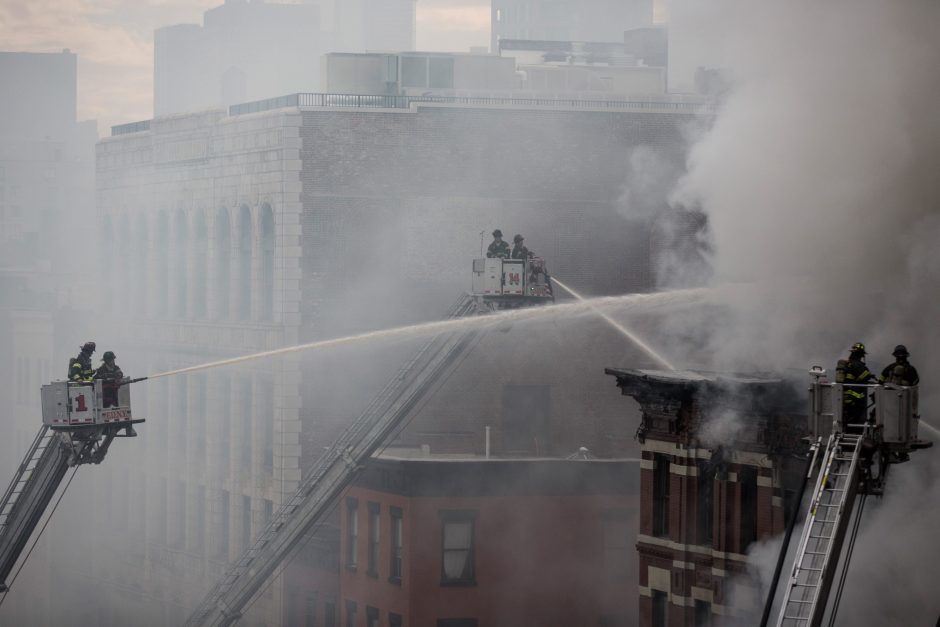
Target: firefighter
column 519, row 251
column 853, row 372
column 111, row 377
column 901, row 372
column 80, row 369
column 498, row 248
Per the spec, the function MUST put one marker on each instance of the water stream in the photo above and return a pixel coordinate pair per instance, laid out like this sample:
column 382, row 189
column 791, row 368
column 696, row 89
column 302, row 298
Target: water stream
column 597, row 305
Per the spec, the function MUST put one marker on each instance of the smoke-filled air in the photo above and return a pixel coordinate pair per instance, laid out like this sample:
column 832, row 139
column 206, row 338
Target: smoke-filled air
column 458, row 313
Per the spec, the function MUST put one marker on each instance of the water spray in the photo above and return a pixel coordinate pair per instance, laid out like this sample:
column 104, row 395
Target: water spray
column 593, row 304
column 623, row 330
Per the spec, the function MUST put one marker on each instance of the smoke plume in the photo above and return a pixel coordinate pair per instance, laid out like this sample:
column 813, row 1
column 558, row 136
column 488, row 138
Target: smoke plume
column 819, row 181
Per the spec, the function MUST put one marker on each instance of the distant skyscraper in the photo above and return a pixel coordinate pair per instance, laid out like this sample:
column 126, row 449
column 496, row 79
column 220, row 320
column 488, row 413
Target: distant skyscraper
column 585, row 20
column 375, row 25
column 243, row 51
column 248, row 51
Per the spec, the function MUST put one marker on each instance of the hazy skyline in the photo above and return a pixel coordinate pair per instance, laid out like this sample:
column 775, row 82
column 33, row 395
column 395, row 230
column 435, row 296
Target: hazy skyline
column 114, row 42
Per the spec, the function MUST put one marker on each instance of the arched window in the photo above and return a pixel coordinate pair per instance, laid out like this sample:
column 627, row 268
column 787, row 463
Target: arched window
column 267, row 263
column 142, row 250
column 222, row 259
column 182, row 257
column 243, row 287
column 200, row 263
column 161, row 265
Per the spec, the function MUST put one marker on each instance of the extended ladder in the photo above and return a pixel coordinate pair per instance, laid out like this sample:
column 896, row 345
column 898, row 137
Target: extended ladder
column 815, row 562
column 333, row 472
column 35, row 482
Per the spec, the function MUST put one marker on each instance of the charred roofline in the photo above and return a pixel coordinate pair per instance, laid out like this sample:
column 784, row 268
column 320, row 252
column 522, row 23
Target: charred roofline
column 676, row 404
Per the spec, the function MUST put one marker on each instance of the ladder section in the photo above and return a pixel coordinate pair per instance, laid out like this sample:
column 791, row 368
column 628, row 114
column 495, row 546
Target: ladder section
column 333, row 472
column 27, row 496
column 815, row 562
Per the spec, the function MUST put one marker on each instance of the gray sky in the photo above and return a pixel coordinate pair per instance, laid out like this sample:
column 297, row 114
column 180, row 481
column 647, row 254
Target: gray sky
column 114, row 41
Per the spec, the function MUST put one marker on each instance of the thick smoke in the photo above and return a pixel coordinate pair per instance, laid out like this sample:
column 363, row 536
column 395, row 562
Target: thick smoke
column 819, row 181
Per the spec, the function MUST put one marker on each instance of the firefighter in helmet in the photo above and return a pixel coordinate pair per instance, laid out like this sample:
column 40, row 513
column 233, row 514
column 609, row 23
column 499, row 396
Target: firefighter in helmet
column 111, row 377
column 852, row 373
column 498, row 248
column 901, row 372
column 519, row 251
column 80, row 368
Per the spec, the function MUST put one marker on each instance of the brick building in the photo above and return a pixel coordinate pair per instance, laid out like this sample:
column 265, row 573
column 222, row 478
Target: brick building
column 465, row 541
column 719, row 471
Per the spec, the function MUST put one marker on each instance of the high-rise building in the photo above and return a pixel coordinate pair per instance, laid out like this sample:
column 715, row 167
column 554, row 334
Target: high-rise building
column 248, row 51
column 584, row 20
column 379, row 25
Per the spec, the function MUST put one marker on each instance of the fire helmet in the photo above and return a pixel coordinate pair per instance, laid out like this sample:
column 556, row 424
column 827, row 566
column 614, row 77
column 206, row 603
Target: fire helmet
column 858, row 347
column 517, row 238
column 497, row 233
column 108, row 355
column 900, row 351
column 88, row 347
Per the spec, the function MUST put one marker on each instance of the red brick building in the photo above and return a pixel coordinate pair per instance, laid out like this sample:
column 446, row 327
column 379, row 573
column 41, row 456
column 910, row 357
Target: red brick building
column 468, row 541
column 719, row 471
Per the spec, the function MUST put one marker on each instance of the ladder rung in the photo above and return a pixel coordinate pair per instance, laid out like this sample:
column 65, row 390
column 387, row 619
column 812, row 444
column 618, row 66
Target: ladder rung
column 801, row 602
column 815, row 570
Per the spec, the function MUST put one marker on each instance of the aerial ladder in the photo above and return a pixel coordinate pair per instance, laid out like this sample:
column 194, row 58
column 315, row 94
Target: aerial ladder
column 850, row 462
column 80, row 421
column 497, row 284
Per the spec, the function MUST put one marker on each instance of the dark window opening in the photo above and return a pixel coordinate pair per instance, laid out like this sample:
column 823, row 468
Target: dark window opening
column 329, row 614
column 660, row 495
column 748, row 480
column 705, row 488
column 703, row 614
column 372, row 617
column 350, row 614
column 660, row 609
column 456, row 622
column 395, row 620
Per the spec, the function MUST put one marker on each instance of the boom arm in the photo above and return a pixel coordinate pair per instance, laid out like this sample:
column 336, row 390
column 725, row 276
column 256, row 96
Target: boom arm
column 36, row 481
column 314, row 498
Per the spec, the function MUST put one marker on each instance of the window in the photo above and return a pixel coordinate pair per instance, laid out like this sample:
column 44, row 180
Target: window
column 352, row 531
column 350, row 614
column 660, row 609
column 703, row 614
column 457, row 567
column 329, row 614
column 704, row 512
column 394, row 569
column 179, row 507
column 617, row 543
column 372, row 617
column 374, row 520
column 394, row 620
column 748, row 480
column 660, row 495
